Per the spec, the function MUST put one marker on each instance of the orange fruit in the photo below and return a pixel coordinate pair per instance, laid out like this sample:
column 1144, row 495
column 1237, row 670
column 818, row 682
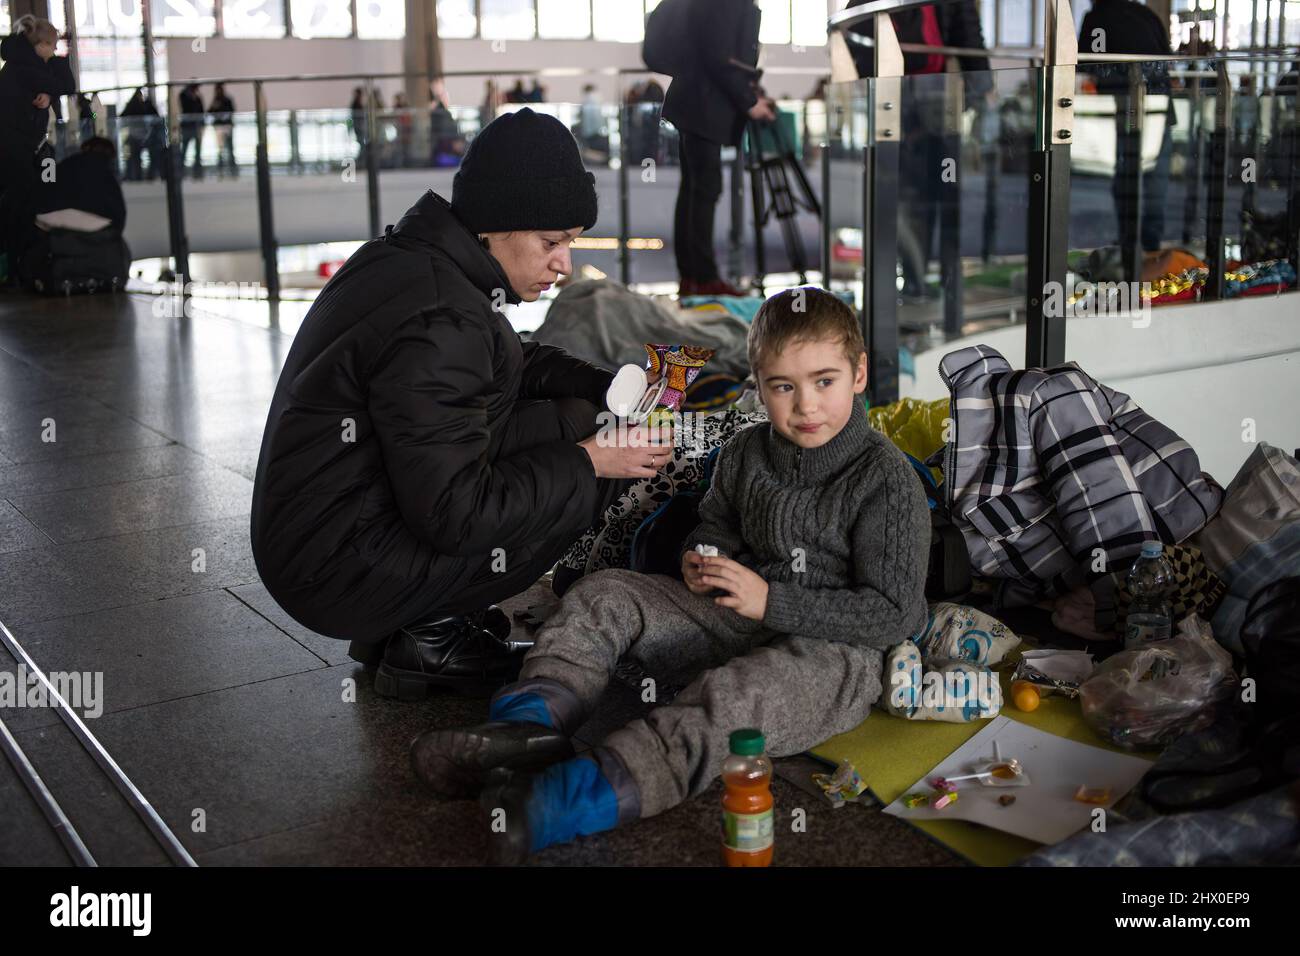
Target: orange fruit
column 1025, row 696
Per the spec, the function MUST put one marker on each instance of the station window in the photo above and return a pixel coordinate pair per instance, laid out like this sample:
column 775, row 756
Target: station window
column 182, row 18
column 563, row 19
column 381, row 19
column 257, row 19
column 321, row 18
column 507, row 20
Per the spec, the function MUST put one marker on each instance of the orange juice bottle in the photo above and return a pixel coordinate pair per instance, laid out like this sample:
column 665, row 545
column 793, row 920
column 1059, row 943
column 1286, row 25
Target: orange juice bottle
column 747, row 804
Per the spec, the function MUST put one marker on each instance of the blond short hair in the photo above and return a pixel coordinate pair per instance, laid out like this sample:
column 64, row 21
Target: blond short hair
column 36, row 29
column 805, row 314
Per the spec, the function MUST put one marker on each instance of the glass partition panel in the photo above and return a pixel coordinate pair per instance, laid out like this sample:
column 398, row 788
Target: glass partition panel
column 964, row 145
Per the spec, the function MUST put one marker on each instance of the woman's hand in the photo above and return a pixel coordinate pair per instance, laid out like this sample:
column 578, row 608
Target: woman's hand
column 644, row 453
column 692, row 572
column 42, row 101
column 746, row 591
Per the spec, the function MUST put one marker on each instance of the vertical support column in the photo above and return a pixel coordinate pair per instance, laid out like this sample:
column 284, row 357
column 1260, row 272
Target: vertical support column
column 736, row 226
column 173, row 170
column 1215, row 253
column 372, row 159
column 950, row 268
column 825, row 222
column 146, row 39
column 624, row 199
column 1192, row 200
column 1129, row 112
column 265, row 218
column 1292, row 180
column 1049, row 189
column 880, row 213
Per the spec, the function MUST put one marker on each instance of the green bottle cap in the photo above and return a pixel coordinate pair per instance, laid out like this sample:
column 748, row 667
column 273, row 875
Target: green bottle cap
column 747, row 743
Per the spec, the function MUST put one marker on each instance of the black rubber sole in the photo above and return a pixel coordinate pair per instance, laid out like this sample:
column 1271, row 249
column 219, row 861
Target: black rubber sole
column 413, row 685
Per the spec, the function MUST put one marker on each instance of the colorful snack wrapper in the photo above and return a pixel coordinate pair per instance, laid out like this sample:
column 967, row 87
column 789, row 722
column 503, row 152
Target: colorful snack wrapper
column 842, row 786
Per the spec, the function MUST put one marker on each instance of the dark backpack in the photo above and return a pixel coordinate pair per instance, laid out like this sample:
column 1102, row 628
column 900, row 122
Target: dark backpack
column 657, row 542
column 68, row 262
column 948, row 574
column 667, row 46
column 1271, row 637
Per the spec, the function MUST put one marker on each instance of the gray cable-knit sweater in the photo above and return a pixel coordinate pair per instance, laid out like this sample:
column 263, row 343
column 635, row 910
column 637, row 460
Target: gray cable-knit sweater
column 841, row 533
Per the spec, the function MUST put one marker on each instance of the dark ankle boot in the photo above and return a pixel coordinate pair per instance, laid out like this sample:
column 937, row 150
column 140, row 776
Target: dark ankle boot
column 457, row 762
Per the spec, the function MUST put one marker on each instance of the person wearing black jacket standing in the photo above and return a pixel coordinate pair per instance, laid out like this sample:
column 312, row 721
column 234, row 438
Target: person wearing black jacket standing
column 1126, row 27
column 420, row 462
column 709, row 101
column 30, row 83
column 922, row 149
column 192, row 120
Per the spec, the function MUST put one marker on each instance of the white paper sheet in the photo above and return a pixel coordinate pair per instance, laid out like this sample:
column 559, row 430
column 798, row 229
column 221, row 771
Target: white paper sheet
column 77, row 220
column 1044, row 811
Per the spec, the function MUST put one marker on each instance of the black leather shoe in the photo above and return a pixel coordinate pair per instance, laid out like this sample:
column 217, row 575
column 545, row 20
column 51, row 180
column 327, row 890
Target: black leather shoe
column 457, row 654
column 368, row 653
column 505, row 800
column 456, row 763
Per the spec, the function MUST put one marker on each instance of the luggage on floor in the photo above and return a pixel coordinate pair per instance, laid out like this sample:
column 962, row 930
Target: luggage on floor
column 68, row 262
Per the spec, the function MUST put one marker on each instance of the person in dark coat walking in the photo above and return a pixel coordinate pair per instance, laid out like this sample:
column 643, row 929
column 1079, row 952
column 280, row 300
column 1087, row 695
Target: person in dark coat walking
column 709, row 101
column 926, row 144
column 192, row 123
column 420, row 462
column 144, row 133
column 1125, row 27
column 30, row 83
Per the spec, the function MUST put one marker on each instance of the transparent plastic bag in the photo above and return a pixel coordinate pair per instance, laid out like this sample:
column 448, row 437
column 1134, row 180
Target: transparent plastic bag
column 1144, row 698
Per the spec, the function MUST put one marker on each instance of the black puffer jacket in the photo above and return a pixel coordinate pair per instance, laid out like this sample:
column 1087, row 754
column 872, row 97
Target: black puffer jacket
column 375, row 495
column 24, row 75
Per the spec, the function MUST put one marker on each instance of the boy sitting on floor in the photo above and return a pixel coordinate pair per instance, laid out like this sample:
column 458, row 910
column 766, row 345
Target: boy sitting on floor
column 822, row 533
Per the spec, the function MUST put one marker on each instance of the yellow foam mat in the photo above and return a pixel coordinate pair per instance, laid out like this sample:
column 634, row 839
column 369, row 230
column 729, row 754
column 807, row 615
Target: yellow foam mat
column 892, row 753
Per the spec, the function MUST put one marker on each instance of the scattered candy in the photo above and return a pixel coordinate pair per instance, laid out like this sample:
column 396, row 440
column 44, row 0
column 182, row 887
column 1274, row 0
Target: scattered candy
column 942, row 785
column 948, row 798
column 1006, row 799
column 914, row 800
column 1096, row 795
column 843, row 786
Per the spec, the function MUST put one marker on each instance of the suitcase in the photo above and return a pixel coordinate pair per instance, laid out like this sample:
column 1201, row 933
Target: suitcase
column 67, row 262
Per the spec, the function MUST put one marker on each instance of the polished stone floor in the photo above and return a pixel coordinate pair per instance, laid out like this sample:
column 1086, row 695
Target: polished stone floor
column 229, row 717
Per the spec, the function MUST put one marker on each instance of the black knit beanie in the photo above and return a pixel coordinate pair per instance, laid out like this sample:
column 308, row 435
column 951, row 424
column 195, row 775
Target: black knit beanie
column 523, row 171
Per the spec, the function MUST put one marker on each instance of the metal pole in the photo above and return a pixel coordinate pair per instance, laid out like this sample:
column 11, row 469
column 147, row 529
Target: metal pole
column 624, row 199
column 265, row 216
column 372, row 160
column 735, row 236
column 144, row 810
column 826, row 190
column 146, row 38
column 1293, row 177
column 54, row 814
column 1049, row 190
column 880, row 213
column 173, row 167
column 1128, row 169
column 950, row 268
column 1216, row 191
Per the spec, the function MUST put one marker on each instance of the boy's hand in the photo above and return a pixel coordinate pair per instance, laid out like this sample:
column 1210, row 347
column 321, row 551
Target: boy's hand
column 746, row 591
column 692, row 566
column 42, row 101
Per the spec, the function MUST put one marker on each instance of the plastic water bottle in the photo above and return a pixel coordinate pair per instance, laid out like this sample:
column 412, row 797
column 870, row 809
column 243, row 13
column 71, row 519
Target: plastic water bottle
column 747, row 818
column 1149, row 582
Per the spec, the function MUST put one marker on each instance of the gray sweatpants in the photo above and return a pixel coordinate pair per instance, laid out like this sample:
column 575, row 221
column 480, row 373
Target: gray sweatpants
column 798, row 690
